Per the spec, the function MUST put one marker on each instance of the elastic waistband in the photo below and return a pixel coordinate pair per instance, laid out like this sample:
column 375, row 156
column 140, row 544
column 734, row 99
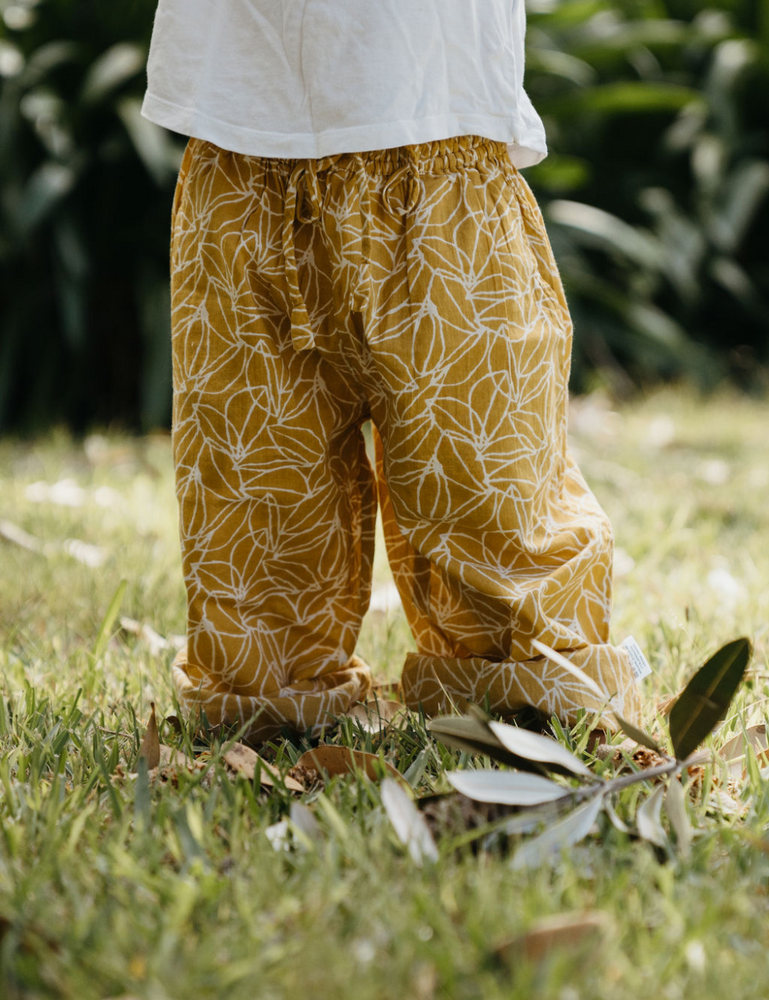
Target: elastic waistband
column 437, row 157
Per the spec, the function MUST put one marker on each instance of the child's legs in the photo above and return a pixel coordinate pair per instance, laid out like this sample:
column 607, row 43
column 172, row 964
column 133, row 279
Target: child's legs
column 493, row 536
column 276, row 496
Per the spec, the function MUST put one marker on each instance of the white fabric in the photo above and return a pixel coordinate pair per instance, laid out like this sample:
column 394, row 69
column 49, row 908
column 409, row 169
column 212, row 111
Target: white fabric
column 311, row 78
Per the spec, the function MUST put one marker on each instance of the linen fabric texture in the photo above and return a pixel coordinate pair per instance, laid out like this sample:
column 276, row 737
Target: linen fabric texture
column 309, row 78
column 414, row 287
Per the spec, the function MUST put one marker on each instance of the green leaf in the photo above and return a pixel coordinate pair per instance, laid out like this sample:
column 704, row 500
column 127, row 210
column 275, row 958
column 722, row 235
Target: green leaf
column 675, row 807
column 529, row 820
column 564, row 833
column 606, row 231
column 47, row 58
column 151, row 142
column 476, row 712
column 46, row 188
column 637, row 734
column 630, row 34
column 563, row 64
column 704, row 701
column 648, row 819
column 627, row 96
column 746, row 189
column 532, row 746
column 563, row 173
column 113, row 68
column 616, row 821
column 510, row 788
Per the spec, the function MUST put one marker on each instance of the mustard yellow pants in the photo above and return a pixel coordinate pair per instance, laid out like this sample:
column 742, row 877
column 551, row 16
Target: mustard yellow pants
column 416, row 288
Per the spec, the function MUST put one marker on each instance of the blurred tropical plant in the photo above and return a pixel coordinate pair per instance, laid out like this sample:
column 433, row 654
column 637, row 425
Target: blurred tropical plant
column 85, row 193
column 655, row 188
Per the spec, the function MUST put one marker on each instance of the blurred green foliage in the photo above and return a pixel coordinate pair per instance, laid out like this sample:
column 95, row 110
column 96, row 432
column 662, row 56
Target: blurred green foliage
column 655, row 189
column 85, row 193
column 655, row 193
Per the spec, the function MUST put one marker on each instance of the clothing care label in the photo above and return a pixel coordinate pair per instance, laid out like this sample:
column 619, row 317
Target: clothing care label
column 638, row 661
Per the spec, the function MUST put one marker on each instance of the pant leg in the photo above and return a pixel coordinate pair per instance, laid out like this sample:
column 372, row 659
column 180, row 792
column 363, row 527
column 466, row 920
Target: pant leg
column 492, row 533
column 276, row 496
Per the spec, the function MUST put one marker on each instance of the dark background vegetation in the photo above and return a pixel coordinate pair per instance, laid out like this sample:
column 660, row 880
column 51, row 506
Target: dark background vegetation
column 655, row 193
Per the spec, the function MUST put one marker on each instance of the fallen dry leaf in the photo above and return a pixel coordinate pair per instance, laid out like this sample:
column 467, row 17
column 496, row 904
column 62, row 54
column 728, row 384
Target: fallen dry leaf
column 307, row 777
column 603, row 751
column 147, row 635
column 174, row 722
column 664, row 706
column 735, row 751
column 176, row 758
column 172, row 764
column 342, row 760
column 596, row 738
column 150, row 748
column 721, row 802
column 243, row 760
column 642, row 757
column 164, row 763
column 564, row 930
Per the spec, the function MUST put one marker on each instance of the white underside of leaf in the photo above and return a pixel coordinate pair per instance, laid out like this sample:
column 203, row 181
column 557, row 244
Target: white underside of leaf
column 408, row 822
column 532, row 746
column 567, row 831
column 511, row 788
column 304, row 822
column 648, row 818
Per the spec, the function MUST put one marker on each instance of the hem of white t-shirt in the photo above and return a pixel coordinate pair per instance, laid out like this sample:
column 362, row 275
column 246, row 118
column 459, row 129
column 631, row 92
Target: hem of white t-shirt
column 526, row 147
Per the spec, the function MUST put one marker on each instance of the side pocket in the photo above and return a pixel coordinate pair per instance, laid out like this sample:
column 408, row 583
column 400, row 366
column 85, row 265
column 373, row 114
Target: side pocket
column 181, row 185
column 539, row 242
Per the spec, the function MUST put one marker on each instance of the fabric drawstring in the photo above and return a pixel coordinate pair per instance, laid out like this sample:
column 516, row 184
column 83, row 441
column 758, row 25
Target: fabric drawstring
column 364, row 287
column 408, row 171
column 303, row 204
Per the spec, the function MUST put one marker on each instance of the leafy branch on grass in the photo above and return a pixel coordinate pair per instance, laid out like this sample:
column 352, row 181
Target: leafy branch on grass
column 543, row 788
column 567, row 811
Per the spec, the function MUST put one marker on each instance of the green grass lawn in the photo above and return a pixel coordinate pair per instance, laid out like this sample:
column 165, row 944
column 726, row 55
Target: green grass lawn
column 109, row 888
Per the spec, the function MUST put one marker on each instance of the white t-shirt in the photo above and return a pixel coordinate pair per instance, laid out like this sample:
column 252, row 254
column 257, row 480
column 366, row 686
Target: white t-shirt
column 311, row 78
